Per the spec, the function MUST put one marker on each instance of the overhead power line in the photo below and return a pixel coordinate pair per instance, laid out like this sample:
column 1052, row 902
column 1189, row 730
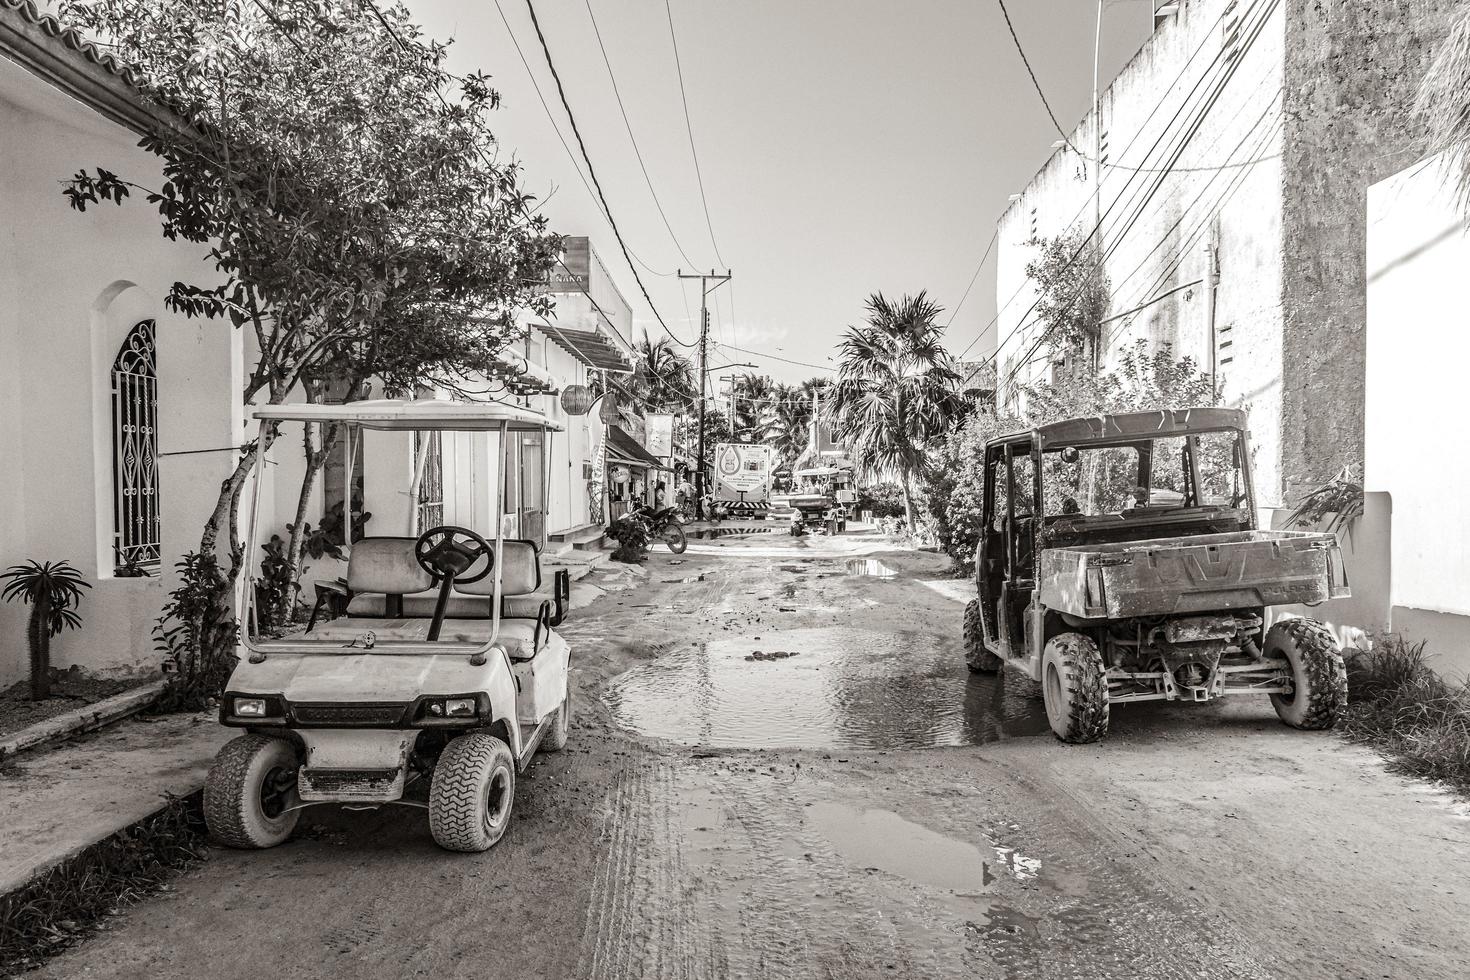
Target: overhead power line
column 592, row 172
column 1035, row 84
column 689, row 128
column 773, row 357
column 633, row 139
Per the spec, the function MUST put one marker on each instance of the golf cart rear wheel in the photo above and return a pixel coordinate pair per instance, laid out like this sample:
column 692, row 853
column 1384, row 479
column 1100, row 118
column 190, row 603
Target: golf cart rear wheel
column 1318, row 675
column 556, row 735
column 250, row 791
column 471, row 794
column 677, row 540
column 1075, row 687
column 977, row 658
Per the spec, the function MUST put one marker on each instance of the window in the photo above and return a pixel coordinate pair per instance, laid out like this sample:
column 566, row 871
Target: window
column 136, row 525
column 431, row 484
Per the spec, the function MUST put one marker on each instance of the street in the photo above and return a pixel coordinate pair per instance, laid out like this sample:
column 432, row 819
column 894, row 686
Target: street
column 779, row 767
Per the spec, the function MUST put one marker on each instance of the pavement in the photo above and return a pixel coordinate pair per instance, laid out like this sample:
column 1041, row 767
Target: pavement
column 779, row 768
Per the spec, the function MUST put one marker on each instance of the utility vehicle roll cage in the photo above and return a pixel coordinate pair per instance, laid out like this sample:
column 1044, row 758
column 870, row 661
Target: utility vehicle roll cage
column 392, row 415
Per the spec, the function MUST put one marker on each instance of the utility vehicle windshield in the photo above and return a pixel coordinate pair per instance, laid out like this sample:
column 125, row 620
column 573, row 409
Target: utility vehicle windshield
column 1197, row 470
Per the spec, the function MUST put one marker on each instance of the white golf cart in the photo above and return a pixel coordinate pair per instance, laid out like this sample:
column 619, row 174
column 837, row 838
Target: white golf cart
column 444, row 668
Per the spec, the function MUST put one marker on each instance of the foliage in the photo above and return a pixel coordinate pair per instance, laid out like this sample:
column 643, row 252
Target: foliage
column 276, row 589
column 663, row 379
column 1073, row 292
column 895, row 395
column 954, row 485
column 197, row 622
column 326, row 538
column 1339, row 501
column 132, row 568
column 1397, row 703
column 53, row 590
column 633, row 538
column 883, row 499
column 1443, row 103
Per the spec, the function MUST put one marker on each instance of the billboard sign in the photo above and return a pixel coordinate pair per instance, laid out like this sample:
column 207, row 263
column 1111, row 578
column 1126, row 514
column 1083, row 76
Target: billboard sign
column 743, row 475
column 660, row 441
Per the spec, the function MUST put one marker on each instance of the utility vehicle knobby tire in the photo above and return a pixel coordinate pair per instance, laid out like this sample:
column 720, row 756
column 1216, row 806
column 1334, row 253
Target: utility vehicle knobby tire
column 234, row 807
column 677, row 540
column 556, row 735
column 471, row 793
column 1317, row 672
column 977, row 658
column 1074, row 685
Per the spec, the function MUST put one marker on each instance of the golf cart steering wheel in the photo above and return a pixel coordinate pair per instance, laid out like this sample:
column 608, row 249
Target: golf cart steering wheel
column 447, row 552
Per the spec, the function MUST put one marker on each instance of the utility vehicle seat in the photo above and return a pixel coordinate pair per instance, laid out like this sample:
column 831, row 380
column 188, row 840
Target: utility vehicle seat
column 389, row 590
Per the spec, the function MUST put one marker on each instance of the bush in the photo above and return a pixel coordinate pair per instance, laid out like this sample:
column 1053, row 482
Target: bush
column 1398, row 704
column 883, row 499
column 632, row 537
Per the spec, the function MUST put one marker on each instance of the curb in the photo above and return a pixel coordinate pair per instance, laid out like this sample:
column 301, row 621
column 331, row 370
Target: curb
column 80, row 720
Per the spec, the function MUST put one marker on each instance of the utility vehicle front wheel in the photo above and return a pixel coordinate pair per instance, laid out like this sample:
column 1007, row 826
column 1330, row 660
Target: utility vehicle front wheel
column 677, row 540
column 556, row 736
column 977, row 658
column 1318, row 675
column 1074, row 686
column 250, row 792
column 471, row 793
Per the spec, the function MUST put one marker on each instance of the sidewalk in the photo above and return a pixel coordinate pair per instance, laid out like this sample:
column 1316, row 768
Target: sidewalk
column 56, row 803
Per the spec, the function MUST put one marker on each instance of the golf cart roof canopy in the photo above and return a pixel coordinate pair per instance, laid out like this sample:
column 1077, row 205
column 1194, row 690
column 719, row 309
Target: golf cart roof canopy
column 1129, row 427
column 405, row 415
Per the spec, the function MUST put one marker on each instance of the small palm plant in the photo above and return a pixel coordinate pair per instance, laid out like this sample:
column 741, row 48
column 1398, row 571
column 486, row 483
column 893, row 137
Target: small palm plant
column 54, row 593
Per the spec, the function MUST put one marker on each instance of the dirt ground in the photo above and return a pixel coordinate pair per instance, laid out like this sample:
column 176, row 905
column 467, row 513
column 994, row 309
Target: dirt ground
column 69, row 691
column 1196, row 841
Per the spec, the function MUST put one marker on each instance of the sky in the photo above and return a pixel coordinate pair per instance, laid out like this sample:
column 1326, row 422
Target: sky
column 846, row 147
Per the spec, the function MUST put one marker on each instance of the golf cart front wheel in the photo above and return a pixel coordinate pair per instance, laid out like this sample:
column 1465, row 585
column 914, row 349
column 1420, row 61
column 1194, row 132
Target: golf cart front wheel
column 471, row 794
column 977, row 658
column 1074, row 685
column 560, row 730
column 1318, row 675
column 676, row 538
column 250, row 798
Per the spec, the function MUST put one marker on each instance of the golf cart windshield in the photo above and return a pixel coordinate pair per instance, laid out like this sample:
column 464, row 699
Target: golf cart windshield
column 426, row 575
column 1137, row 478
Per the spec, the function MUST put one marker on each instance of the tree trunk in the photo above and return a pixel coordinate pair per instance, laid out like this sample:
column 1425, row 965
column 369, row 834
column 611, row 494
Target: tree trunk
column 908, row 499
column 315, row 460
column 38, row 632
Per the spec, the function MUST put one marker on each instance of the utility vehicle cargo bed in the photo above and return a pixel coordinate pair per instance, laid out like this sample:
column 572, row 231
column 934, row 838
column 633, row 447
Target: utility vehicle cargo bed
column 1198, row 573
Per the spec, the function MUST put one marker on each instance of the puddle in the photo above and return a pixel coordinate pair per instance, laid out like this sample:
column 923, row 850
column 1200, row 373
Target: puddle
column 843, row 689
column 883, row 840
column 869, row 568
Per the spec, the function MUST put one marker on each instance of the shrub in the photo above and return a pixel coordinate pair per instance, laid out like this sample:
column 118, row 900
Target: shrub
column 883, row 499
column 275, row 593
column 632, row 537
column 196, row 635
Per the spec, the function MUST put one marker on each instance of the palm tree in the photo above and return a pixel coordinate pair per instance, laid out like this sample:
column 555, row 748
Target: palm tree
column 54, row 592
column 896, row 390
column 1444, row 102
column 663, row 379
column 751, row 396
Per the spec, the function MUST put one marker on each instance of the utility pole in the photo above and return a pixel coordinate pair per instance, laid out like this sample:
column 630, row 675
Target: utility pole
column 704, row 290
column 1097, row 242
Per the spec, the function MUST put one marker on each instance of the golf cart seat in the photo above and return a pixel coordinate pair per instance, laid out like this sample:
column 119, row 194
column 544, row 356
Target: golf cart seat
column 386, row 581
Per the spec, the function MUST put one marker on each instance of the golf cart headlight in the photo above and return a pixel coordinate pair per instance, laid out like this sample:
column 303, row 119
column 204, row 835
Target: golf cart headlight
column 250, row 707
column 459, row 707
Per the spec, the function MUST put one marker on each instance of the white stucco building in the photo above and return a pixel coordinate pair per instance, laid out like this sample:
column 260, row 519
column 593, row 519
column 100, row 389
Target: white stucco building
column 116, row 416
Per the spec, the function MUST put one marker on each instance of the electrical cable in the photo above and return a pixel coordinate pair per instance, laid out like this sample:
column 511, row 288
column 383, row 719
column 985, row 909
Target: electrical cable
column 689, row 128
column 1035, row 84
column 773, row 357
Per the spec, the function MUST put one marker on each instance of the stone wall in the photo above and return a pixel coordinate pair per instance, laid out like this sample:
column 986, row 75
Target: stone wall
column 1352, row 71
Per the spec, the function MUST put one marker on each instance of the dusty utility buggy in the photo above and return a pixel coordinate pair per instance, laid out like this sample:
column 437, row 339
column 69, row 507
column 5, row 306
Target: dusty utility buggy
column 445, row 668
column 1119, row 561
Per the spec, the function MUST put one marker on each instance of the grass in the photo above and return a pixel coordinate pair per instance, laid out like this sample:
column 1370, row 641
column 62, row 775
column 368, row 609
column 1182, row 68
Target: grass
column 59, row 907
column 1399, row 705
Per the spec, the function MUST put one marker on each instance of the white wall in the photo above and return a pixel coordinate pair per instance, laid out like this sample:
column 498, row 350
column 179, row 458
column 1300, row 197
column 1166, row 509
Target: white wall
column 71, row 285
column 1416, row 447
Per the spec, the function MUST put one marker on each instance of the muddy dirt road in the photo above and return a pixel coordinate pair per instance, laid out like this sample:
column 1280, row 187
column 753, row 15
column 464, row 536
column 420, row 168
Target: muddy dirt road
column 780, row 768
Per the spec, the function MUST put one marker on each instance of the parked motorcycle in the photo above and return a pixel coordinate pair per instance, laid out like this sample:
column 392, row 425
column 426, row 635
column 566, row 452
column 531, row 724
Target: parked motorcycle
column 665, row 524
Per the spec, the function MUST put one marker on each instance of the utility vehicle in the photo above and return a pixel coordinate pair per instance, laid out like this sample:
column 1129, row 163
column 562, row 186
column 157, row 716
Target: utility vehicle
column 445, row 668
column 1119, row 560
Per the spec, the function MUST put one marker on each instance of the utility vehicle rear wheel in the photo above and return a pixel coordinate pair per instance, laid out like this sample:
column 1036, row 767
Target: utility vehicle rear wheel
column 1074, row 685
column 676, row 539
column 1317, row 673
column 471, row 793
column 250, row 790
column 977, row 658
column 555, row 738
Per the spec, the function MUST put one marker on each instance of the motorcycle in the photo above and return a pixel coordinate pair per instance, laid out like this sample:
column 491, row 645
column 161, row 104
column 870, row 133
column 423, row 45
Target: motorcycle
column 664, row 524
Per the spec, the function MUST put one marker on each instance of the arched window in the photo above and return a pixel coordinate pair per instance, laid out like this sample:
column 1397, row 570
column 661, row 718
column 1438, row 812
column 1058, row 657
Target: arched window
column 136, row 526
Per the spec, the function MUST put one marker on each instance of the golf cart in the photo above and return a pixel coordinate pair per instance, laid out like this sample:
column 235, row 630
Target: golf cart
column 1119, row 561
column 445, row 668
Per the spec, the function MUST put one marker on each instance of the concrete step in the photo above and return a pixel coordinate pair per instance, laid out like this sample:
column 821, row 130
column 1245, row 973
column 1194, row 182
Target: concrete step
column 572, row 535
column 577, row 563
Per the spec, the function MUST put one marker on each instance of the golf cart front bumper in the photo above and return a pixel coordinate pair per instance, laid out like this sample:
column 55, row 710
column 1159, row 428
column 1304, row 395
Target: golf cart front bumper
column 360, row 766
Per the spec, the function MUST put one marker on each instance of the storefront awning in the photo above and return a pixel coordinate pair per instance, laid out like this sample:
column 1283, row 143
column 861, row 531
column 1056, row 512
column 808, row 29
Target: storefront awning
column 625, row 449
column 594, row 348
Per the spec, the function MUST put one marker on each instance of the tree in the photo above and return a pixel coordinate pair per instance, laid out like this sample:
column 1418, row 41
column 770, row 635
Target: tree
column 1443, row 103
column 751, row 403
column 663, row 379
column 54, row 592
column 357, row 217
column 1072, row 296
column 895, row 394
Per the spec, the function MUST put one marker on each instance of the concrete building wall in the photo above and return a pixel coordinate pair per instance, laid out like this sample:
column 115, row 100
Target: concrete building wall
column 71, row 286
column 1418, row 341
column 1352, row 72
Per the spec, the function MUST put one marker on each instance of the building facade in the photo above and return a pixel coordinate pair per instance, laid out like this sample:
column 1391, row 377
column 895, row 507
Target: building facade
column 1236, row 151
